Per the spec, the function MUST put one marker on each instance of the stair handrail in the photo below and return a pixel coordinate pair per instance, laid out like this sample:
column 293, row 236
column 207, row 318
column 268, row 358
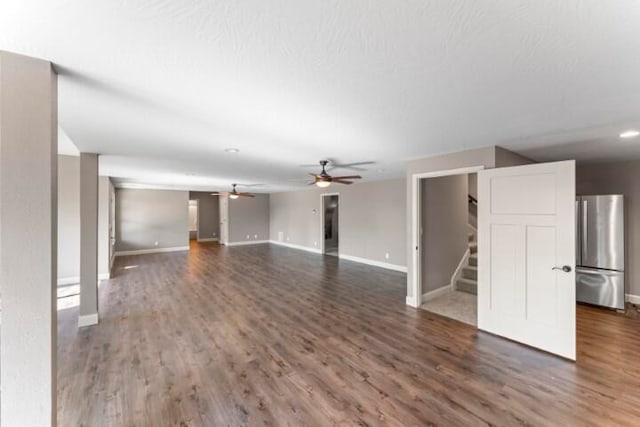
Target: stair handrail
column 472, row 200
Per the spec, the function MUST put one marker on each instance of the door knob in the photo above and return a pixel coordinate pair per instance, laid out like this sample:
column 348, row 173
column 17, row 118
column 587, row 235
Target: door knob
column 564, row 268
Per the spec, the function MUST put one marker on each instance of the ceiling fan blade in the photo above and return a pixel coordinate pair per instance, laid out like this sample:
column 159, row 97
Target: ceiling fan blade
column 246, row 195
column 313, row 175
column 347, row 177
column 339, row 181
column 352, row 166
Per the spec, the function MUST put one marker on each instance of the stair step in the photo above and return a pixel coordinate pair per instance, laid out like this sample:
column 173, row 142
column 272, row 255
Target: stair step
column 467, row 285
column 473, row 260
column 470, row 272
column 473, row 247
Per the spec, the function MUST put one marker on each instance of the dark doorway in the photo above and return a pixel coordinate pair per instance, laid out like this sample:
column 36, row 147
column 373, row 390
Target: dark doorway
column 331, row 236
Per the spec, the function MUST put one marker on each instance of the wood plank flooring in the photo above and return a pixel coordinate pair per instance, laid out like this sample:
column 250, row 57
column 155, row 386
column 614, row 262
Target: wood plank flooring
column 264, row 335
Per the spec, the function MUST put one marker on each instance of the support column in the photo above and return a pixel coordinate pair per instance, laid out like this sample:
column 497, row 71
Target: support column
column 28, row 240
column 88, row 239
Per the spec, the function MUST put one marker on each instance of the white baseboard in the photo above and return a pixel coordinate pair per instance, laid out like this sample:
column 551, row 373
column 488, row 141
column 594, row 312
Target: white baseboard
column 412, row 302
column 74, row 280
column 436, row 293
column 152, row 251
column 248, row 242
column 633, row 299
column 298, row 247
column 380, row 264
column 209, row 239
column 88, row 320
column 458, row 272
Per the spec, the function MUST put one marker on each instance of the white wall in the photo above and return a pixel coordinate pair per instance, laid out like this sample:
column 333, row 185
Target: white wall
column 371, row 224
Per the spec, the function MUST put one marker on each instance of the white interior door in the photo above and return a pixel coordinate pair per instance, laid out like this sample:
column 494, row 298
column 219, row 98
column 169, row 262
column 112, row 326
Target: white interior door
column 526, row 235
column 224, row 219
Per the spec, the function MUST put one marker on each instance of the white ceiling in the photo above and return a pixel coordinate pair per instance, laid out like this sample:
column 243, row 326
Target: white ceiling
column 161, row 87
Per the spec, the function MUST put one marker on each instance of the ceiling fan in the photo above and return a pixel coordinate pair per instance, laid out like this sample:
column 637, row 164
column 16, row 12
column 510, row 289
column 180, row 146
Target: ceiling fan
column 323, row 179
column 333, row 164
column 233, row 194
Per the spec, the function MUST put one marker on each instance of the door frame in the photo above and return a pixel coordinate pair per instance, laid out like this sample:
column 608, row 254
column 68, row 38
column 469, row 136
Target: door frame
column 322, row 202
column 223, row 219
column 197, row 205
column 414, row 277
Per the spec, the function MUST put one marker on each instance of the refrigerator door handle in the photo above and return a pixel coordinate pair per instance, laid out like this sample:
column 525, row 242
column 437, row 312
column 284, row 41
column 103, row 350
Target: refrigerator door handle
column 584, row 229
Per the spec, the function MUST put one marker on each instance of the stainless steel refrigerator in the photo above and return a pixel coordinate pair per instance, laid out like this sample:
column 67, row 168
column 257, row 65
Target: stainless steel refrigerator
column 600, row 250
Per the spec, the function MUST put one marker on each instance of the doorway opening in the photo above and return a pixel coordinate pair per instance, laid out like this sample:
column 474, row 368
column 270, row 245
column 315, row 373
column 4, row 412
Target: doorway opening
column 193, row 220
column 330, row 224
column 223, row 206
column 448, row 238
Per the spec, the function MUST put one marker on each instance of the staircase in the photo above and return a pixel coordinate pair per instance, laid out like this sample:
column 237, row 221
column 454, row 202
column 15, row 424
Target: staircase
column 468, row 282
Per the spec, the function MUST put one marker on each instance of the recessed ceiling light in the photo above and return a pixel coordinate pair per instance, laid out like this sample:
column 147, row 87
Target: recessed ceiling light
column 231, row 150
column 629, row 134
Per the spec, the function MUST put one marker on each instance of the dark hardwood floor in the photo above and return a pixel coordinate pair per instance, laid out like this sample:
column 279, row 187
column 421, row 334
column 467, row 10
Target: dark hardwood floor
column 264, row 335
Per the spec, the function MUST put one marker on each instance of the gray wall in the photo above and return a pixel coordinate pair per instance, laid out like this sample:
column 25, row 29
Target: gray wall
column 88, row 239
column 147, row 216
column 208, row 214
column 249, row 216
column 69, row 217
column 488, row 157
column 28, row 240
column 103, row 225
column 478, row 157
column 618, row 178
column 444, row 228
column 506, row 158
column 69, row 220
column 372, row 219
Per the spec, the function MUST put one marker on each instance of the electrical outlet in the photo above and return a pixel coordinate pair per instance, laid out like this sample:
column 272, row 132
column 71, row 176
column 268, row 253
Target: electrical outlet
column 315, row 243
column 255, row 236
column 386, row 256
column 287, row 238
column 155, row 243
column 248, row 237
column 214, row 234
